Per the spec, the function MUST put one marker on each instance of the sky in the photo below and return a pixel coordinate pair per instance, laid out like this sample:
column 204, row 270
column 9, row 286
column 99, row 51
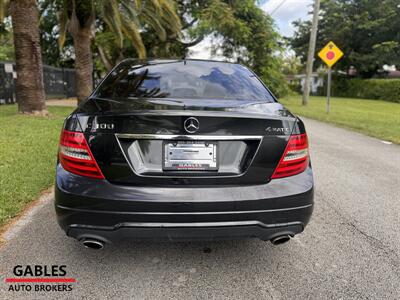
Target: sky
column 284, row 12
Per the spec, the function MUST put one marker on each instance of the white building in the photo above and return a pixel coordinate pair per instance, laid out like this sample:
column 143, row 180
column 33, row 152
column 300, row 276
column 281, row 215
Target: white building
column 316, row 81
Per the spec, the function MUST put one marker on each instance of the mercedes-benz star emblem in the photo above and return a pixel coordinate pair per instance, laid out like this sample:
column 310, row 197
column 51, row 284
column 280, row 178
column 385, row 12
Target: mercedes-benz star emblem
column 191, row 125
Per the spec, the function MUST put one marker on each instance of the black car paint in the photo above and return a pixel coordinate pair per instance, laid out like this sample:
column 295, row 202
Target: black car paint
column 115, row 208
column 236, row 119
column 89, row 208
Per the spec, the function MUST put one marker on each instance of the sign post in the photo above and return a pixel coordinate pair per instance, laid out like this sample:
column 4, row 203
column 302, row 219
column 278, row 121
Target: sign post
column 328, row 93
column 330, row 54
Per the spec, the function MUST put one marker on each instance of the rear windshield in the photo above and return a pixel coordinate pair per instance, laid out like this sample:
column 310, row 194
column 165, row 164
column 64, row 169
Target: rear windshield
column 183, row 80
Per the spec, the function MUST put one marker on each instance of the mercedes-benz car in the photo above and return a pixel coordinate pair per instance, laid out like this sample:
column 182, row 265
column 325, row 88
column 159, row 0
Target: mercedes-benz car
column 182, row 150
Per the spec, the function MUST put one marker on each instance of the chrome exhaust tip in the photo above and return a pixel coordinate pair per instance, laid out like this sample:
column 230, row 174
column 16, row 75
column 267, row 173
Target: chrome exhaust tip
column 93, row 244
column 280, row 239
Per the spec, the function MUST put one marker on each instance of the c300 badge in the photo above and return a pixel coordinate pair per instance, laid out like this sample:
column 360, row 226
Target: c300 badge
column 102, row 126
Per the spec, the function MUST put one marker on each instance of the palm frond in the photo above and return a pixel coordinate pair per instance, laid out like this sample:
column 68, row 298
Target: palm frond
column 161, row 16
column 63, row 19
column 149, row 17
column 132, row 32
column 136, row 3
column 156, row 5
column 112, row 17
column 130, row 11
column 4, row 6
column 169, row 16
column 126, row 19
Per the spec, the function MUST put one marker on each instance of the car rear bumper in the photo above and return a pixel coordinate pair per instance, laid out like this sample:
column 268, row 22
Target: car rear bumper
column 91, row 208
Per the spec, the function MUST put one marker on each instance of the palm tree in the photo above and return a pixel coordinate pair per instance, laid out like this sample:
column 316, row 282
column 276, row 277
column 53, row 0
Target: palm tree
column 29, row 83
column 124, row 18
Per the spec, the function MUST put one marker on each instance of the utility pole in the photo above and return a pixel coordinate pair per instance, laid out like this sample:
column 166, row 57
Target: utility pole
column 311, row 51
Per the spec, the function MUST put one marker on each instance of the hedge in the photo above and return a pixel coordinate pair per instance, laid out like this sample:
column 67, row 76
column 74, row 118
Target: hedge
column 379, row 89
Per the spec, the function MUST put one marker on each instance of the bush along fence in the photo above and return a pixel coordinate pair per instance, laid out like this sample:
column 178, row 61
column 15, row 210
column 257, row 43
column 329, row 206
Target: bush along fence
column 58, row 82
column 378, row 89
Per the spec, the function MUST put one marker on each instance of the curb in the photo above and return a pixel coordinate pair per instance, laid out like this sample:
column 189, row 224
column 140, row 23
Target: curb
column 16, row 224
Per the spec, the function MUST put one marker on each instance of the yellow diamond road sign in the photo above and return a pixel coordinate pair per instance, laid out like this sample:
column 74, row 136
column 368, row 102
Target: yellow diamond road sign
column 330, row 54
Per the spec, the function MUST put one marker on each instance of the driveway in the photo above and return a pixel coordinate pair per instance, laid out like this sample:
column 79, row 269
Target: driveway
column 351, row 248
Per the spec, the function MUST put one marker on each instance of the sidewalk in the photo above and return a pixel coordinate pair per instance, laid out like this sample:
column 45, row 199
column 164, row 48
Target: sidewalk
column 62, row 102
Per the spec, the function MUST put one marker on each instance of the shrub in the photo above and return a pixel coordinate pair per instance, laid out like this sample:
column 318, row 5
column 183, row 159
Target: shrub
column 295, row 87
column 383, row 89
column 378, row 89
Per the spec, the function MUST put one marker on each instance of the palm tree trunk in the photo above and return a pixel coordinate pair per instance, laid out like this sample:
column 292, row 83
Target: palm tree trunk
column 29, row 83
column 82, row 36
column 83, row 65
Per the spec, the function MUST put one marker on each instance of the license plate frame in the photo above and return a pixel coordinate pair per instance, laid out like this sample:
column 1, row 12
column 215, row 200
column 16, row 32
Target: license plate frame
column 190, row 156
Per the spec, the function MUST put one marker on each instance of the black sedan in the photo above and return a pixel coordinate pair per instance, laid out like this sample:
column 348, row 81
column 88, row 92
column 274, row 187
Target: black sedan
column 182, row 150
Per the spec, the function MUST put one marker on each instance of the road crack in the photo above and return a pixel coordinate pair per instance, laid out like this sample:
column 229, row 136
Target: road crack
column 391, row 254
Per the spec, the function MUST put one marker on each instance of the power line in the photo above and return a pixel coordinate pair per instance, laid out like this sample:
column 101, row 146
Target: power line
column 277, row 7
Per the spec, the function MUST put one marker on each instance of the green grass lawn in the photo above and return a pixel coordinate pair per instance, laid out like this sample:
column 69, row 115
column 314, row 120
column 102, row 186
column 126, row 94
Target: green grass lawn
column 379, row 119
column 28, row 150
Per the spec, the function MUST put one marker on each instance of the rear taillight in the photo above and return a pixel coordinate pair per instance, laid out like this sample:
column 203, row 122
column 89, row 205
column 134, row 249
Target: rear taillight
column 295, row 158
column 75, row 155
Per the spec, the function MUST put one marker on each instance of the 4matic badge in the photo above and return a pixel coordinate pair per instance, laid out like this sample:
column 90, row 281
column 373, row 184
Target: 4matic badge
column 283, row 130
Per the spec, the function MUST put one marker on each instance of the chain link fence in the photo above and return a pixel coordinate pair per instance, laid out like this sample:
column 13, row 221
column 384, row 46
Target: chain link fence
column 58, row 82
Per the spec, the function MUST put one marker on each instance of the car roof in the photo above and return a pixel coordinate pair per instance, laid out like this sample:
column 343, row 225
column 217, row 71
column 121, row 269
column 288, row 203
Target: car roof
column 153, row 61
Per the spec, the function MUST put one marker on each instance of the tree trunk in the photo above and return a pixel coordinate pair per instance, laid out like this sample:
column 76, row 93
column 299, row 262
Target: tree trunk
column 311, row 53
column 82, row 36
column 29, row 83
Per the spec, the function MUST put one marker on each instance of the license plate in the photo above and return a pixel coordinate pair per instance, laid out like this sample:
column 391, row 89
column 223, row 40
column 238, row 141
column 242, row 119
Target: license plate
column 190, row 156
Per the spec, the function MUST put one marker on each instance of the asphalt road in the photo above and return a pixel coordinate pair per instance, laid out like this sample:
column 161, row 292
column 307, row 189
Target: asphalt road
column 351, row 248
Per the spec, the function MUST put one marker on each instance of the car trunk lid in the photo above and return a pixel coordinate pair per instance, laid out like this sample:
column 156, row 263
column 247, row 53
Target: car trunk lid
column 129, row 142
